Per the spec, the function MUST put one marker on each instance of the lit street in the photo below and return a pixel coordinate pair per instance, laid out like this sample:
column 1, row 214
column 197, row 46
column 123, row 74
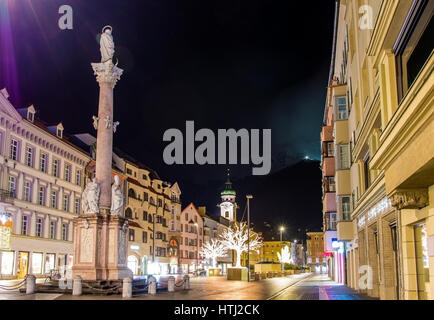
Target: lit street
column 295, row 287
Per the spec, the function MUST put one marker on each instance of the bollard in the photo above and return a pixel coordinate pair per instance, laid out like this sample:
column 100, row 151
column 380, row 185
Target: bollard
column 30, row 284
column 127, row 288
column 77, row 287
column 186, row 282
column 171, row 284
column 152, row 285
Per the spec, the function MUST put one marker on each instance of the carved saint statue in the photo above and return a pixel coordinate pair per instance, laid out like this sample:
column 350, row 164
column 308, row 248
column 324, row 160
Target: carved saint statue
column 117, row 198
column 107, row 46
column 95, row 122
column 90, row 197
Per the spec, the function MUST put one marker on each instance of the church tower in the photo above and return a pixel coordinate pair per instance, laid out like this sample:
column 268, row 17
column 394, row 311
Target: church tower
column 228, row 206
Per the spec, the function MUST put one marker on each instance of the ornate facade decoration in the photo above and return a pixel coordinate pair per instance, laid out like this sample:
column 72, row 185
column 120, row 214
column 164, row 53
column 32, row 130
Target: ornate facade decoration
column 410, row 199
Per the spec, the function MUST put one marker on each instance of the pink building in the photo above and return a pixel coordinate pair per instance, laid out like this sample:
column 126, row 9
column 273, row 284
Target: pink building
column 191, row 239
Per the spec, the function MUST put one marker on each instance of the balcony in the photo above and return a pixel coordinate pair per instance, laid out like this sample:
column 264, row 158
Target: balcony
column 345, row 230
column 328, row 167
column 342, row 134
column 327, row 133
column 7, row 196
column 329, row 202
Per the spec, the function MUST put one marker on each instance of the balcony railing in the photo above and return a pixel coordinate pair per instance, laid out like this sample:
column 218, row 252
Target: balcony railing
column 7, row 196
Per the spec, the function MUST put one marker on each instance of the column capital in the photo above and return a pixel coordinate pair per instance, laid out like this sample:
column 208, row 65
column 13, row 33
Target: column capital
column 107, row 73
column 409, row 198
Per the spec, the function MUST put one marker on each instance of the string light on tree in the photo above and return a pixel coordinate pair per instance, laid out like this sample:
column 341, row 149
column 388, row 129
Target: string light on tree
column 236, row 239
column 212, row 250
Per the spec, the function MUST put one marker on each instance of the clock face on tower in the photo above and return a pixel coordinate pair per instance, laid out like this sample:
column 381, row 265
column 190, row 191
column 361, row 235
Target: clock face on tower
column 227, row 209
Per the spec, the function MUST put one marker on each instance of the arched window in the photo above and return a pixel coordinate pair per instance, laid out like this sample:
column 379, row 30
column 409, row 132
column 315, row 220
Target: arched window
column 131, row 193
column 128, row 213
column 151, row 201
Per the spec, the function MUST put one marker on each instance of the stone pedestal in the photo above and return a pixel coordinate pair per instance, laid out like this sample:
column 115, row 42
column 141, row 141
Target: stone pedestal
column 239, row 274
column 101, row 248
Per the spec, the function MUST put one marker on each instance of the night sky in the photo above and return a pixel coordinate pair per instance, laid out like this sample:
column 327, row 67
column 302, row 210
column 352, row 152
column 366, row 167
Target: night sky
column 224, row 64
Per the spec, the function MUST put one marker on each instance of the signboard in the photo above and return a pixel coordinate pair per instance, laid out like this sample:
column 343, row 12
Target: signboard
column 5, row 231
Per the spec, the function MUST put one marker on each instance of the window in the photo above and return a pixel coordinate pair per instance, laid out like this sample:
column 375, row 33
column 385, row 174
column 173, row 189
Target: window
column 131, row 235
column 129, row 171
column 36, row 263
column 414, row 46
column 29, row 156
column 24, row 225
column 42, row 196
column 66, row 202
column 145, row 196
column 64, row 231
column 54, row 199
column 56, row 166
column 49, row 262
column 341, row 108
column 330, row 149
column 145, row 216
column 77, row 206
column 366, row 172
column 160, row 203
column 343, row 157
column 12, row 185
column 333, row 221
column 128, row 213
column 28, row 191
column 52, row 229
column 144, row 237
column 7, row 262
column 39, row 227
column 131, row 193
column 150, row 218
column 43, row 162
column 68, row 172
column 30, row 116
column 78, row 175
column 144, row 177
column 14, row 150
column 345, row 206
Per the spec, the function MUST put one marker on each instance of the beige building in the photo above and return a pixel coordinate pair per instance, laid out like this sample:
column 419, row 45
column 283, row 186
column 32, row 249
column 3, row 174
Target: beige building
column 153, row 207
column 41, row 179
column 381, row 99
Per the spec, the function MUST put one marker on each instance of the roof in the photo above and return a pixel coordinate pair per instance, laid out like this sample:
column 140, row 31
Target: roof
column 152, row 173
column 228, row 188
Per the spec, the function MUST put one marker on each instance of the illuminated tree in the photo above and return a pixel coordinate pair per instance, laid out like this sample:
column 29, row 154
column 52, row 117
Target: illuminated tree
column 212, row 250
column 236, row 239
column 285, row 256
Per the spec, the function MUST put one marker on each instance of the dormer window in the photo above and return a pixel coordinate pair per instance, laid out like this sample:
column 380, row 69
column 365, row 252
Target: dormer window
column 59, row 130
column 31, row 113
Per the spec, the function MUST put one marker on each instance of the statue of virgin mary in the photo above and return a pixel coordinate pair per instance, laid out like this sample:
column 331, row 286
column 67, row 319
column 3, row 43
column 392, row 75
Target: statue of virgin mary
column 107, row 46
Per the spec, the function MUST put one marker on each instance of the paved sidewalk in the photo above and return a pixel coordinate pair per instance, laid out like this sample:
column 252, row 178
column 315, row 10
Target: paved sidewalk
column 320, row 287
column 214, row 288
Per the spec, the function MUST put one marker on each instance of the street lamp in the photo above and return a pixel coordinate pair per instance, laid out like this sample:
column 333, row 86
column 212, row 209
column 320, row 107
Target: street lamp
column 248, row 236
column 281, row 229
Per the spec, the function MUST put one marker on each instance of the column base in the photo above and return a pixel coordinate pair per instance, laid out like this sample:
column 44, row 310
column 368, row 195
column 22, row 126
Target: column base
column 100, row 248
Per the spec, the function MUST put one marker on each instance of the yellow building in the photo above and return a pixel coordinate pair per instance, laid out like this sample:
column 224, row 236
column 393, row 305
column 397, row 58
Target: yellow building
column 381, row 96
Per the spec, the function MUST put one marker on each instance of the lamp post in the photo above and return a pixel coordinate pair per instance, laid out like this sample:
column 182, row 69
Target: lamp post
column 281, row 229
column 248, row 236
